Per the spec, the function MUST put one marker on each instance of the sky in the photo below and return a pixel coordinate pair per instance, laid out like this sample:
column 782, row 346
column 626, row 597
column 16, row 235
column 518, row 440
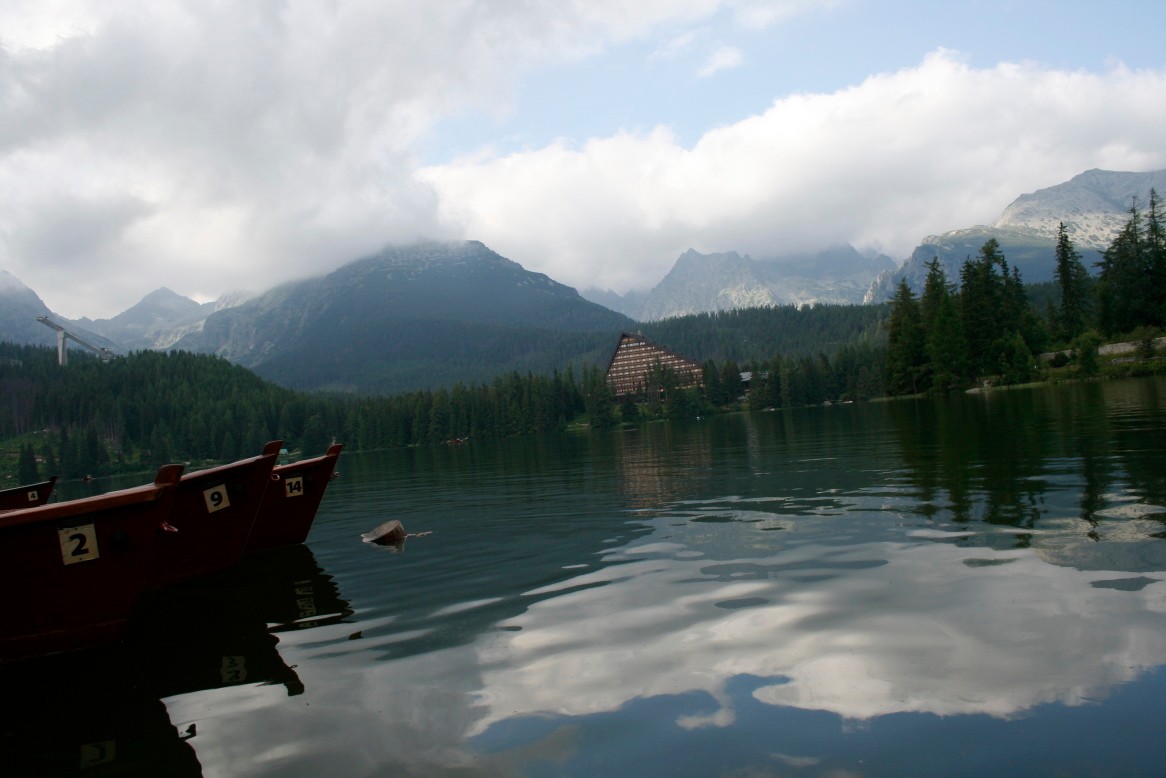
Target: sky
column 211, row 146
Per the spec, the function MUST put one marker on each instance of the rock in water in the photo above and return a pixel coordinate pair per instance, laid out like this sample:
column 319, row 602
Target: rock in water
column 389, row 532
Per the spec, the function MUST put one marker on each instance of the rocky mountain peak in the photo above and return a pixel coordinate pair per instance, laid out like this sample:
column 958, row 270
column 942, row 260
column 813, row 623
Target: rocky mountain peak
column 702, row 283
column 1093, row 205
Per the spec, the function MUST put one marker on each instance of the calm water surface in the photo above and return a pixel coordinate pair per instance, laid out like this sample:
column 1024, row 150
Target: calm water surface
column 959, row 587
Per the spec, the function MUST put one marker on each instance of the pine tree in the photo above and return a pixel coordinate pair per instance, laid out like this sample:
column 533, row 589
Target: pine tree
column 1122, row 288
column 1156, row 263
column 946, row 347
column 941, row 368
column 906, row 352
column 1071, row 275
column 730, row 382
column 979, row 305
column 714, row 390
column 50, row 460
column 26, row 468
column 935, row 289
column 65, row 446
column 993, row 305
column 598, row 398
column 315, row 440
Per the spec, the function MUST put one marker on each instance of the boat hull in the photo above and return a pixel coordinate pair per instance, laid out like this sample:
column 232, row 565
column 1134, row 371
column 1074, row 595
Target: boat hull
column 292, row 500
column 28, row 496
column 212, row 516
column 75, row 569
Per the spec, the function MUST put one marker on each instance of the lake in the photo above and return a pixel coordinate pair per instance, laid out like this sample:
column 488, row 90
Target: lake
column 964, row 586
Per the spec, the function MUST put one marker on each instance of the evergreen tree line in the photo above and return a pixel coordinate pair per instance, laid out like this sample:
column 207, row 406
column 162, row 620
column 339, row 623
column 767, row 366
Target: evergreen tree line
column 149, row 408
column 1131, row 288
column 855, row 373
column 759, row 333
column 948, row 338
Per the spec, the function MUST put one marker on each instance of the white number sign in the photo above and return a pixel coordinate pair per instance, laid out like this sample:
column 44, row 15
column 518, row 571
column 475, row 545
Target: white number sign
column 294, row 486
column 216, row 498
column 78, row 544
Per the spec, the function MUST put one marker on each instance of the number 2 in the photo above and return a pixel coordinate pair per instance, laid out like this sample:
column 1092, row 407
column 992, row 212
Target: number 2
column 78, row 544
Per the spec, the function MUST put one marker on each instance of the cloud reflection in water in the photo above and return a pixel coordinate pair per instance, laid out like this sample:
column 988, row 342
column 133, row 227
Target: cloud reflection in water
column 860, row 631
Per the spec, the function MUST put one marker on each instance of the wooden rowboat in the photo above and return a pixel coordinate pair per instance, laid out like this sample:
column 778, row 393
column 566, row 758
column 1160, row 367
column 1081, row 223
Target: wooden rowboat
column 28, row 496
column 73, row 570
column 292, row 499
column 211, row 519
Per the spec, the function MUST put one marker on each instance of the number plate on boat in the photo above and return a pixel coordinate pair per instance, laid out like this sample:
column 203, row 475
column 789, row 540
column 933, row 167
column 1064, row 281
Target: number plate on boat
column 216, row 498
column 78, row 544
column 294, row 486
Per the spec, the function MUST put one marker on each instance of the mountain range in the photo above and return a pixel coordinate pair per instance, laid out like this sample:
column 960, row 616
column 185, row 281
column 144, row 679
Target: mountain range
column 1093, row 205
column 699, row 283
column 431, row 314
column 409, row 317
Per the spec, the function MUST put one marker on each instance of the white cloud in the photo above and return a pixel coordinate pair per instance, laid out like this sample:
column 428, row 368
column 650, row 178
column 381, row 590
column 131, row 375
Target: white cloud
column 206, row 146
column 880, row 165
column 759, row 14
column 724, row 58
column 674, row 46
column 211, row 145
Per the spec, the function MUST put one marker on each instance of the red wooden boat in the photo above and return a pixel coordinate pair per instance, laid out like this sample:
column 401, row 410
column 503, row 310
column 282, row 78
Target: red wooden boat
column 212, row 516
column 73, row 570
column 28, row 496
column 291, row 502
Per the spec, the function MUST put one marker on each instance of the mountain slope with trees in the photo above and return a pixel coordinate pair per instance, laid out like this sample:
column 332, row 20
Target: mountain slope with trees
column 950, row 338
column 412, row 317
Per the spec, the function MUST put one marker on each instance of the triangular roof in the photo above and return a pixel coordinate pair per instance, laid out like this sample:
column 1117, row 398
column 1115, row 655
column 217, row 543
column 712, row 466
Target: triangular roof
column 633, row 359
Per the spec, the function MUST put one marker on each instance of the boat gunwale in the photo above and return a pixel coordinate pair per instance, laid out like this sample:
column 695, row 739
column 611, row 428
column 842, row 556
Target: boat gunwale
column 168, row 477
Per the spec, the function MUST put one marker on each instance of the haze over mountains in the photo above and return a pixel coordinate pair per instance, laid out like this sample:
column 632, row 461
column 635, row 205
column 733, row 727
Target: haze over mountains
column 431, row 314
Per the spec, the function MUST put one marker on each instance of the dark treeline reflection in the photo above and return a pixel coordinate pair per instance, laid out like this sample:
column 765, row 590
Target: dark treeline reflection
column 1030, row 459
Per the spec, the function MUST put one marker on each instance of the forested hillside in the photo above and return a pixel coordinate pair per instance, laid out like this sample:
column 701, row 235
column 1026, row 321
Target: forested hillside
column 760, row 333
column 93, row 417
column 953, row 337
column 148, row 408
column 411, row 317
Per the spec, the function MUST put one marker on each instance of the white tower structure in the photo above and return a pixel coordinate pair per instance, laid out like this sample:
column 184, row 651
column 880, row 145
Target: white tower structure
column 62, row 334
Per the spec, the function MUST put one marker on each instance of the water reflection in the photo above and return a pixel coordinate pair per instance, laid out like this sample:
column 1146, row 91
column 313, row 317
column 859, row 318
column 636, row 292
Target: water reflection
column 662, row 462
column 911, row 579
column 1070, row 459
column 103, row 711
column 861, row 632
column 90, row 716
column 971, row 585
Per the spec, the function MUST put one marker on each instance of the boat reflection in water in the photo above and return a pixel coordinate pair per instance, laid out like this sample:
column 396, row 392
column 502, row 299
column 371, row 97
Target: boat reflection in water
column 101, row 712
